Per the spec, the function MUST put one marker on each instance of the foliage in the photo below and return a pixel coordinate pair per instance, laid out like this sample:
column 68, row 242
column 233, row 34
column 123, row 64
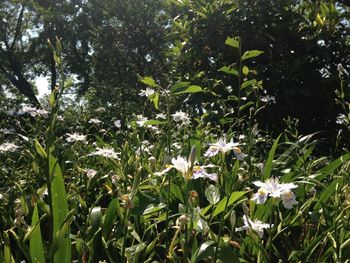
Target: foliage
column 182, row 170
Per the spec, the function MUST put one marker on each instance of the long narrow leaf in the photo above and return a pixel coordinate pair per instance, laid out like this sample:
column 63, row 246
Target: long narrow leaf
column 36, row 243
column 268, row 165
column 60, row 210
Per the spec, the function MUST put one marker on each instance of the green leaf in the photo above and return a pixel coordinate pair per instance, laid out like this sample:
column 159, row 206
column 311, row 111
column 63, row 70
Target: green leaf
column 233, row 42
column 226, row 254
column 212, row 193
column 60, row 210
column 248, row 83
column 110, row 218
column 268, row 165
column 36, row 243
column 229, row 70
column 7, row 255
column 204, row 251
column 221, row 205
column 155, row 100
column 176, row 191
column 180, row 85
column 251, row 54
column 95, row 218
column 154, row 122
column 40, row 150
column 149, row 81
column 245, row 70
column 183, row 90
column 52, row 98
column 326, row 194
column 330, row 168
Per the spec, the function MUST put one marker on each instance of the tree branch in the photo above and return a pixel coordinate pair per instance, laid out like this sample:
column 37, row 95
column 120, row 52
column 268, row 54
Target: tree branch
column 18, row 27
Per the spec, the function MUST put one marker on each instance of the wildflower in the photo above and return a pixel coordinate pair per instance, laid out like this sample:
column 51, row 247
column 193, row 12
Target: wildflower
column 185, row 167
column 90, row 173
column 273, row 188
column 117, row 124
column 200, row 172
column 288, row 199
column 106, row 152
column 8, row 147
column 268, row 98
column 95, row 121
column 256, row 226
column 182, row 166
column 147, row 92
column 141, row 120
column 181, row 118
column 100, row 109
column 34, row 111
column 261, row 196
column 160, row 116
column 223, row 147
column 75, row 137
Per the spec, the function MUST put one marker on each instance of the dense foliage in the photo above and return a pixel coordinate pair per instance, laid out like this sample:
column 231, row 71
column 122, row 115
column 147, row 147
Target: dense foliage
column 175, row 131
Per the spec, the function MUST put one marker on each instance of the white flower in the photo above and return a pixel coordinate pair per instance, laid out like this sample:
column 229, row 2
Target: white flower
column 34, row 111
column 261, row 196
column 100, row 109
column 182, row 165
column 256, row 225
column 105, row 152
column 90, row 173
column 161, row 116
column 117, row 124
column 288, row 199
column 268, row 98
column 223, row 147
column 181, row 118
column 75, row 137
column 8, row 147
column 141, row 120
column 95, row 121
column 200, row 172
column 147, row 92
column 273, row 188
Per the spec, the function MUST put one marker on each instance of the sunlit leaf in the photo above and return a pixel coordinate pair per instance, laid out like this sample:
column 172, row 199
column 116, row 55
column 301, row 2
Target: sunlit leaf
column 36, row 243
column 229, row 70
column 183, row 90
column 149, row 81
column 251, row 54
column 233, row 42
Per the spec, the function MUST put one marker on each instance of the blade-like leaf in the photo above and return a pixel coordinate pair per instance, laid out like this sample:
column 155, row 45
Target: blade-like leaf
column 204, row 251
column 111, row 216
column 36, row 243
column 40, row 150
column 60, row 210
column 268, row 164
column 221, row 205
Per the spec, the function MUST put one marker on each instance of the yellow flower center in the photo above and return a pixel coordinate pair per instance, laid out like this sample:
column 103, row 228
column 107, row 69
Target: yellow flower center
column 262, row 192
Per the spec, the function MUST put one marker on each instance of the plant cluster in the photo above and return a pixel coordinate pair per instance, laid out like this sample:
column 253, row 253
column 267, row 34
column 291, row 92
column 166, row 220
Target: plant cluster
column 170, row 186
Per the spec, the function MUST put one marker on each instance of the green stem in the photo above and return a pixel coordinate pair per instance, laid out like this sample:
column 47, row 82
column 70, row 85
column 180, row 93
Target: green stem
column 168, row 178
column 126, row 223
